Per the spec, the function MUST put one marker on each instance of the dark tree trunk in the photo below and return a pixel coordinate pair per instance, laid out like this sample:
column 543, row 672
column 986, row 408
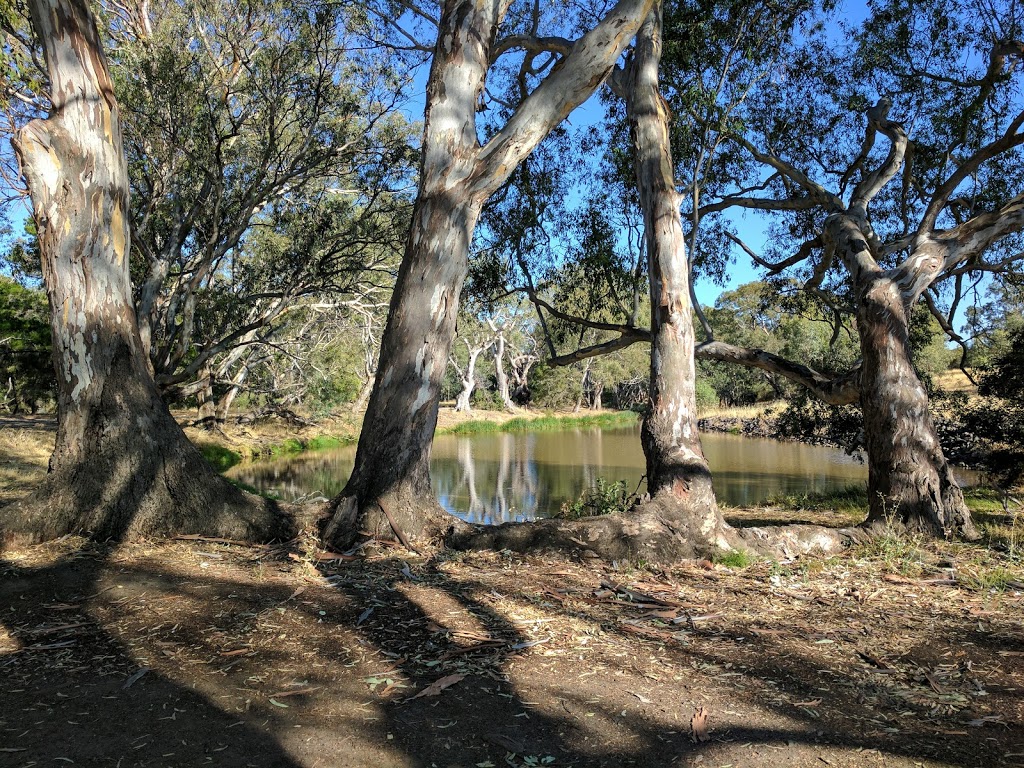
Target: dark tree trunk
column 121, row 466
column 391, row 474
column 678, row 477
column 909, row 480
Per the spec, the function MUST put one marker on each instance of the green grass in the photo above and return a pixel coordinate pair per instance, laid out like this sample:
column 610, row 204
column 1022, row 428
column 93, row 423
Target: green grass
column 219, row 457
column 984, row 500
column 222, row 458
column 544, row 424
column 734, row 559
column 853, row 499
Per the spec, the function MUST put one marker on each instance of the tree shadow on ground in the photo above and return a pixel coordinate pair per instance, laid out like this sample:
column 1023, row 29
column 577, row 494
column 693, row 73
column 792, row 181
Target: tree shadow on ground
column 257, row 660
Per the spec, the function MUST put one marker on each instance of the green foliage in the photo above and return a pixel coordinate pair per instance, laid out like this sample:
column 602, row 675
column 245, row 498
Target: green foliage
column 26, row 365
column 603, row 499
column 735, row 558
column 707, row 395
column 219, row 457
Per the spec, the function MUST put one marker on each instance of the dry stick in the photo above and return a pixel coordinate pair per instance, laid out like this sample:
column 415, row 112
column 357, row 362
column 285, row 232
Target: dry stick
column 394, row 527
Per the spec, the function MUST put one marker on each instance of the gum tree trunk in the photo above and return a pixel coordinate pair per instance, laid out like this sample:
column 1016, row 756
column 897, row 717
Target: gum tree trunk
column 463, row 403
column 678, row 477
column 121, row 466
column 390, row 484
column 909, row 480
column 500, row 377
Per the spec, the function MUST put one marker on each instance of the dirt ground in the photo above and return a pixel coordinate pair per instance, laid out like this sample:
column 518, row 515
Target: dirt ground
column 194, row 653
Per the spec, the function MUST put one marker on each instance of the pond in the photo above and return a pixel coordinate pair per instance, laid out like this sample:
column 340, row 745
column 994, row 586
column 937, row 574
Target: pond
column 499, row 477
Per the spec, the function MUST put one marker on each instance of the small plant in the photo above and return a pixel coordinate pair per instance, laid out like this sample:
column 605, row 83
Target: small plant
column 897, row 548
column 603, row 499
column 735, row 558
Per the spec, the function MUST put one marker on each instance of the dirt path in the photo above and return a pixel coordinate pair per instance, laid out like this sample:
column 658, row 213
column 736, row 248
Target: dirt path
column 253, row 657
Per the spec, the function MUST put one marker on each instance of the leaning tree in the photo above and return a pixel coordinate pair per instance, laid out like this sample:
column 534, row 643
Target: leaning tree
column 121, row 465
column 390, row 484
column 887, row 167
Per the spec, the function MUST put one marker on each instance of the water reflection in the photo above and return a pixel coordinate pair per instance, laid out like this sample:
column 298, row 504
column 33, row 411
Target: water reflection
column 495, row 478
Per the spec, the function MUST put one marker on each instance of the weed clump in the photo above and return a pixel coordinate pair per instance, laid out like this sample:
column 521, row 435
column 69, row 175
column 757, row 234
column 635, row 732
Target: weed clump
column 603, row 499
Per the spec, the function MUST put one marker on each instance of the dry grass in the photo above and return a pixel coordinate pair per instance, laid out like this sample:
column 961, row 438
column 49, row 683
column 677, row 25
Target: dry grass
column 24, row 453
column 743, row 411
column 955, row 381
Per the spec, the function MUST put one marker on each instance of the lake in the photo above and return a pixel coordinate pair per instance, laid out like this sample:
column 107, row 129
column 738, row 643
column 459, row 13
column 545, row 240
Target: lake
column 498, row 477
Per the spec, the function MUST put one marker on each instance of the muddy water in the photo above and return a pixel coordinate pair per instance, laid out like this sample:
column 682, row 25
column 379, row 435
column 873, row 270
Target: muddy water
column 494, row 478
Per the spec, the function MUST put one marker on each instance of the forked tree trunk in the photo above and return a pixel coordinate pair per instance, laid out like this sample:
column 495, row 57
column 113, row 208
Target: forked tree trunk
column 678, row 477
column 390, row 484
column 909, row 480
column 121, row 466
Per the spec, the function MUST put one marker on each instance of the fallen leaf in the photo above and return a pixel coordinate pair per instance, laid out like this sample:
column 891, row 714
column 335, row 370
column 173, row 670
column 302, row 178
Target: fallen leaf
column 278, row 704
column 639, row 697
column 811, row 703
column 237, row 652
column 134, row 678
column 364, row 615
column 699, row 726
column 994, row 719
column 438, row 685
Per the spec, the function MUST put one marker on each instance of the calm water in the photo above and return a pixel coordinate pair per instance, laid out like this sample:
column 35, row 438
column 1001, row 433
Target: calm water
column 494, row 478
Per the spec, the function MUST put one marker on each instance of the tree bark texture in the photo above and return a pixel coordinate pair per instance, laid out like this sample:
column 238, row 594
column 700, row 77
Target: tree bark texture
column 121, row 466
column 909, row 480
column 677, row 472
column 390, row 483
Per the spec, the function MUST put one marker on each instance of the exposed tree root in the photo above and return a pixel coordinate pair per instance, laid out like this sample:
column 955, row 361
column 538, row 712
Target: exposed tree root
column 411, row 519
column 133, row 503
column 653, row 533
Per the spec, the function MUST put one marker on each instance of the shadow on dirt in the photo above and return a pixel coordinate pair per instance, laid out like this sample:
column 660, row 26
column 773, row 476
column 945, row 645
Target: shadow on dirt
column 253, row 660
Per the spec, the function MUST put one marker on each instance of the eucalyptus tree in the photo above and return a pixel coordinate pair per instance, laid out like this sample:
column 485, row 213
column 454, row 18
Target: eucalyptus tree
column 121, row 465
column 267, row 161
column 901, row 206
column 459, row 170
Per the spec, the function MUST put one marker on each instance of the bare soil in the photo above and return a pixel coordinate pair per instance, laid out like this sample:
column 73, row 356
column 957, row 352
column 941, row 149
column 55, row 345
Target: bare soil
column 194, row 653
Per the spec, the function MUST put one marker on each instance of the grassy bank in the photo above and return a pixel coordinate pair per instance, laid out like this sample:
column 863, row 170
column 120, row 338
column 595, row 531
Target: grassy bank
column 546, row 423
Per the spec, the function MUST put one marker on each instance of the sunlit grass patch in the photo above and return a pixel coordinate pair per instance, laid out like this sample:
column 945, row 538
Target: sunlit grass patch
column 24, row 455
column 734, row 559
column 851, row 500
column 544, row 423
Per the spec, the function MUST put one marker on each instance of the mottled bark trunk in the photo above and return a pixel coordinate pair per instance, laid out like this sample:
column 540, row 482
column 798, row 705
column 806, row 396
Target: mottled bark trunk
column 677, row 472
column 500, row 377
column 121, row 466
column 390, row 484
column 463, row 403
column 909, row 480
column 393, row 457
column 207, row 404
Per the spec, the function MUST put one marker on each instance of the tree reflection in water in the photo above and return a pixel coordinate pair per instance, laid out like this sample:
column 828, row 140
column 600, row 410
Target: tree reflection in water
column 498, row 477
